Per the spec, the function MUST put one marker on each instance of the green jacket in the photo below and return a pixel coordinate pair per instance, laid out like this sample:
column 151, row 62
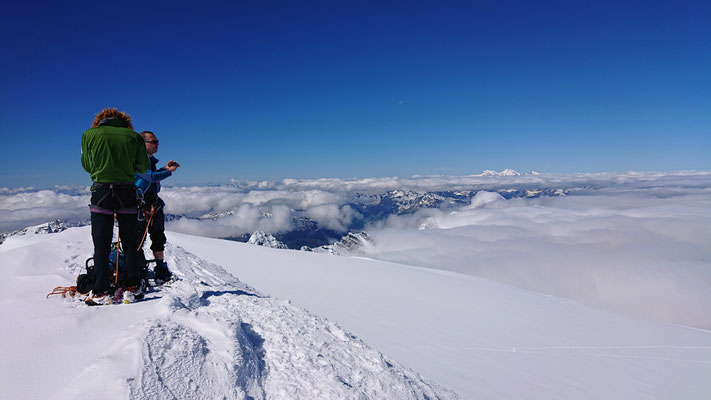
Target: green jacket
column 113, row 152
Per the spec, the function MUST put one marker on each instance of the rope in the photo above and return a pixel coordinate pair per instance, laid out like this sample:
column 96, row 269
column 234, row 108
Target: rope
column 64, row 290
column 150, row 221
column 118, row 244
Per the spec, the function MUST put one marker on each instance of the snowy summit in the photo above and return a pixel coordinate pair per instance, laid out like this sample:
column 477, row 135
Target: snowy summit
column 206, row 336
column 506, row 172
column 266, row 239
column 249, row 322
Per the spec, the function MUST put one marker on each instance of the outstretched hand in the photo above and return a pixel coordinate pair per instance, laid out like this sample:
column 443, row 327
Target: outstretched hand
column 172, row 165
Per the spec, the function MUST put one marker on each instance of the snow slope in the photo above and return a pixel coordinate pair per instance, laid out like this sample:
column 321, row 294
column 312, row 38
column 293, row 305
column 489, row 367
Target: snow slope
column 207, row 336
column 211, row 336
column 484, row 339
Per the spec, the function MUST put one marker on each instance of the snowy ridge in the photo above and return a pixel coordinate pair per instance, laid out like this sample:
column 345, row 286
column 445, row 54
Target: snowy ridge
column 348, row 245
column 47, row 227
column 506, row 172
column 209, row 336
column 267, row 240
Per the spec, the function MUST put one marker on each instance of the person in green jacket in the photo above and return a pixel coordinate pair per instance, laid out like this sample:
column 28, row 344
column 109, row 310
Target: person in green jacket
column 112, row 153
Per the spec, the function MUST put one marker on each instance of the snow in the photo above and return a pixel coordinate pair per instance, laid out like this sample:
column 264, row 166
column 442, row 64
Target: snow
column 506, row 172
column 260, row 238
column 253, row 322
column 350, row 243
column 207, row 336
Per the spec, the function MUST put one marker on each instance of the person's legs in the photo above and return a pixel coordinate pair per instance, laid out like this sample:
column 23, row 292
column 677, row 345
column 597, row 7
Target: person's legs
column 102, row 226
column 128, row 233
column 158, row 240
column 157, row 231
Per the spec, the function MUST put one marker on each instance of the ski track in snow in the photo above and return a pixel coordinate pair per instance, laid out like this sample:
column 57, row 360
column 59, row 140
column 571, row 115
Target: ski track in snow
column 213, row 337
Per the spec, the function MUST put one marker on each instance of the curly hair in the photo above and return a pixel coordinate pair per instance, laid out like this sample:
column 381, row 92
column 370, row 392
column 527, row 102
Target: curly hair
column 111, row 113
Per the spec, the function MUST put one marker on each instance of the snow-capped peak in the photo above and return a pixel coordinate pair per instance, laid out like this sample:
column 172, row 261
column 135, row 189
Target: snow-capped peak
column 506, row 172
column 47, row 227
column 346, row 246
column 267, row 240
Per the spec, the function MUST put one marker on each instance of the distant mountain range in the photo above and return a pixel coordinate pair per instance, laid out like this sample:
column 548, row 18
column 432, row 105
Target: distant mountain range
column 346, row 246
column 307, row 234
column 506, row 172
column 48, row 227
column 373, row 208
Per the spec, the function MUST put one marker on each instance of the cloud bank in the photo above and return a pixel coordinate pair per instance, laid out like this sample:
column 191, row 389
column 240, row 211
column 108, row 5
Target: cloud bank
column 644, row 252
column 23, row 207
column 636, row 243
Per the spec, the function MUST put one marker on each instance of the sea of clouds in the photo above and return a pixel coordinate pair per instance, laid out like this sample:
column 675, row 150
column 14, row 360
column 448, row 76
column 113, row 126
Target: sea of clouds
column 27, row 206
column 642, row 253
column 636, row 243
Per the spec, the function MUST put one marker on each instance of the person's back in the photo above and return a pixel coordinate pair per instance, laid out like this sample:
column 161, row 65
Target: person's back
column 112, row 153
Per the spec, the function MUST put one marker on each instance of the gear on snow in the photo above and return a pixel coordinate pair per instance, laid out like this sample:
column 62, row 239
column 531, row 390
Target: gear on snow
column 119, row 291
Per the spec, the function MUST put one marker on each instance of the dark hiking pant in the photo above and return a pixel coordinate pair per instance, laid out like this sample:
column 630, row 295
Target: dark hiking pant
column 157, row 228
column 107, row 199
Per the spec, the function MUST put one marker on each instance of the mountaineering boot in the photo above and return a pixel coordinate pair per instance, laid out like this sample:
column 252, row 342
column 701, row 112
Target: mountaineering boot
column 161, row 274
column 132, row 294
column 128, row 297
column 98, row 299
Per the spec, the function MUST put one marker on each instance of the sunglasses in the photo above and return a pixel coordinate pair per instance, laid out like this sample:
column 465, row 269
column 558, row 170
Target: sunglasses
column 154, row 141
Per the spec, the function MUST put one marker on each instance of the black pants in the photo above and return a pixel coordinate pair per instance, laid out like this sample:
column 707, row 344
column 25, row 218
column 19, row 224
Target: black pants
column 107, row 199
column 156, row 229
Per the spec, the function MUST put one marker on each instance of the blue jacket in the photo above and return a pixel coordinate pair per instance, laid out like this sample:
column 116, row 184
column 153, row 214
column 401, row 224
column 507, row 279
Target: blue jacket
column 148, row 184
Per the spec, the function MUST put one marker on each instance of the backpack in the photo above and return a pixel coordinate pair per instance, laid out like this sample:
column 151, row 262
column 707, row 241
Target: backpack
column 85, row 282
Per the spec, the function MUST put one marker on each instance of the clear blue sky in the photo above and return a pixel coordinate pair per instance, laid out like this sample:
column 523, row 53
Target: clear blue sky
column 270, row 90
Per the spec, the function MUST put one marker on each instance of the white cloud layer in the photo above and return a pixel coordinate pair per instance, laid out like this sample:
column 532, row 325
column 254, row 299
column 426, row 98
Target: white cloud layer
column 643, row 252
column 331, row 216
column 245, row 219
column 24, row 207
column 638, row 243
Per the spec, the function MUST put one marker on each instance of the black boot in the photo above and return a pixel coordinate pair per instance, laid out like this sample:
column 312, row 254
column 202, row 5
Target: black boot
column 161, row 273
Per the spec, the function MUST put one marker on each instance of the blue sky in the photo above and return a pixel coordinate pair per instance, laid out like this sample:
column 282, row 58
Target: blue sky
column 272, row 90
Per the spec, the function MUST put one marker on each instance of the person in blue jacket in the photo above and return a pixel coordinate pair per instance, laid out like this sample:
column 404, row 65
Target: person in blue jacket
column 148, row 186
